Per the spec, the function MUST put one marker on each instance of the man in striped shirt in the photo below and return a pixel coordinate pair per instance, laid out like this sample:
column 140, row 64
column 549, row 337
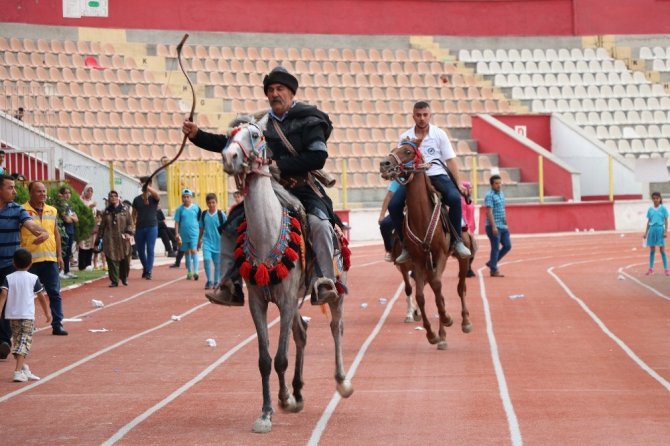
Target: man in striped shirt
column 12, row 217
column 47, row 256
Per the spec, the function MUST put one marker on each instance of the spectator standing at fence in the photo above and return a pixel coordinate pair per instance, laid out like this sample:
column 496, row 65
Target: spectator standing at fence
column 145, row 206
column 70, row 219
column 47, row 257
column 187, row 230
column 2, row 163
column 496, row 225
column 116, row 231
column 211, row 226
column 18, row 289
column 12, row 218
column 654, row 233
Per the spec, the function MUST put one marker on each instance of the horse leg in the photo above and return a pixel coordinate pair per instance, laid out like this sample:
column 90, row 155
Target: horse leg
column 445, row 320
column 344, row 387
column 419, row 278
column 463, row 266
column 259, row 308
column 412, row 313
column 296, row 402
column 287, row 311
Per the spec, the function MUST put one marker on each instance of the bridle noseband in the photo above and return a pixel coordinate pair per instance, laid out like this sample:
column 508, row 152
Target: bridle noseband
column 404, row 172
column 254, row 157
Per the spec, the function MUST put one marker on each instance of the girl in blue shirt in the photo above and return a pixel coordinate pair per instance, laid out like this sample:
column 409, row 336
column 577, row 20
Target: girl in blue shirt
column 657, row 225
column 187, row 230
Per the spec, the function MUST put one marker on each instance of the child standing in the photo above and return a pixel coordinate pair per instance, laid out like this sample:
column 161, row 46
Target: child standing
column 19, row 290
column 211, row 226
column 187, row 230
column 657, row 225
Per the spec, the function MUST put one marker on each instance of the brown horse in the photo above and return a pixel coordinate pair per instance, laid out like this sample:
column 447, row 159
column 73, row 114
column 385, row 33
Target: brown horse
column 425, row 238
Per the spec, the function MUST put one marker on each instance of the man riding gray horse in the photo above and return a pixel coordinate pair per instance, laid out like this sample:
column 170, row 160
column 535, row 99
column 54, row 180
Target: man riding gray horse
column 296, row 135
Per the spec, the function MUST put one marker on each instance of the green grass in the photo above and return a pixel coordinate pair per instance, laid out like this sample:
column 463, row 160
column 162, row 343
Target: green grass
column 82, row 276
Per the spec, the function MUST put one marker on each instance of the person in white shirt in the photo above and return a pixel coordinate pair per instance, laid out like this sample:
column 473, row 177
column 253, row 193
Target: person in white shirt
column 18, row 291
column 436, row 150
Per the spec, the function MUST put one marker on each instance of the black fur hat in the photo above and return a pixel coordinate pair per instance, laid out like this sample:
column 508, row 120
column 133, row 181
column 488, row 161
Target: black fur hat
column 279, row 75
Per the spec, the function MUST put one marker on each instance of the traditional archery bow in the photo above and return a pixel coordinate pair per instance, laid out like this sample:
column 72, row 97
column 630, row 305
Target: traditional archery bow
column 190, row 116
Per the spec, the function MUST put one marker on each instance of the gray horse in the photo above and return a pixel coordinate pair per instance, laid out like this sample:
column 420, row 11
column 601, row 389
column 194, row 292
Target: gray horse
column 267, row 245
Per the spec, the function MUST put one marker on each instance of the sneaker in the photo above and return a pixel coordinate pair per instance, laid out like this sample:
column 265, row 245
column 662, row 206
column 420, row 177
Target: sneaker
column 174, row 265
column 461, row 250
column 89, row 268
column 650, row 271
column 28, row 374
column 470, row 273
column 388, row 257
column 208, row 285
column 62, row 275
column 195, row 276
column 70, row 276
column 19, row 376
column 189, row 276
column 403, row 257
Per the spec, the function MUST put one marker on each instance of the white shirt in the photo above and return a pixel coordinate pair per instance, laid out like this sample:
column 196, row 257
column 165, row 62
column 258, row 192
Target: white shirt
column 435, row 146
column 21, row 287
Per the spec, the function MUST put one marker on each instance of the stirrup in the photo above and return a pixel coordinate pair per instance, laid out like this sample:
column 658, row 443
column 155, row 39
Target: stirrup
column 224, row 295
column 323, row 291
column 403, row 257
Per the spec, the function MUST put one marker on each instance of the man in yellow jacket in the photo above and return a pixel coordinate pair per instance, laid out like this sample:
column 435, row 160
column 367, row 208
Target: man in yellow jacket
column 47, row 256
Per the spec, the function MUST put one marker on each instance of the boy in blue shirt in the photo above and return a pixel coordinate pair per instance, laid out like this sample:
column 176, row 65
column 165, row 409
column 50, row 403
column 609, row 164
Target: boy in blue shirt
column 211, row 226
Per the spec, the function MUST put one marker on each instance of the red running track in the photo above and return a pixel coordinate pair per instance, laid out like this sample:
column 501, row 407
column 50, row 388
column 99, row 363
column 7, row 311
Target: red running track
column 582, row 358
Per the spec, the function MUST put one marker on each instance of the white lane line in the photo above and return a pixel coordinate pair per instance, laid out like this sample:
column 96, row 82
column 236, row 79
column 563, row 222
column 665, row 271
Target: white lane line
column 119, row 302
column 512, row 421
column 332, row 405
column 183, row 389
column 636, row 280
column 631, row 354
column 92, row 356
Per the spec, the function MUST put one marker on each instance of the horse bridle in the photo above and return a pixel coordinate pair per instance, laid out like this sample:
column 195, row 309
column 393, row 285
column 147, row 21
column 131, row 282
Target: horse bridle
column 255, row 156
column 404, row 172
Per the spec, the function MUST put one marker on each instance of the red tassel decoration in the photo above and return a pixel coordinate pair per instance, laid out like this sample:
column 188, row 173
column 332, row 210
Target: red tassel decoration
column 262, row 276
column 239, row 252
column 245, row 269
column 240, row 238
column 291, row 254
column 242, row 227
column 281, row 271
column 296, row 238
column 346, row 257
column 295, row 223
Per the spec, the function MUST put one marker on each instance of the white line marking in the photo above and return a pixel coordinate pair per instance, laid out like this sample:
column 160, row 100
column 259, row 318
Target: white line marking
column 92, row 356
column 118, row 302
column 330, row 408
column 636, row 280
column 631, row 354
column 512, row 421
column 174, row 395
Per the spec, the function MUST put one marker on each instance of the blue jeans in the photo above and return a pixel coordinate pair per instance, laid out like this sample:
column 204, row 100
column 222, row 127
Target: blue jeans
column 497, row 253
column 145, row 242
column 48, row 274
column 386, row 229
column 450, row 196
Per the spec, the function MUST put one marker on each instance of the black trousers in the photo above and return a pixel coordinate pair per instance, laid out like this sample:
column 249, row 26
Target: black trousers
column 167, row 236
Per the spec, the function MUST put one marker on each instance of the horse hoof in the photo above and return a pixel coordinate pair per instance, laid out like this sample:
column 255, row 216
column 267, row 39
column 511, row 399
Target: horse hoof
column 291, row 405
column 417, row 315
column 262, row 425
column 433, row 338
column 442, row 345
column 409, row 318
column 345, row 389
column 467, row 328
column 449, row 321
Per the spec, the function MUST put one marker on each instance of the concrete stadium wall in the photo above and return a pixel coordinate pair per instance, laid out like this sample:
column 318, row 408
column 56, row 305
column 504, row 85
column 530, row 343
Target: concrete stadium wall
column 366, row 17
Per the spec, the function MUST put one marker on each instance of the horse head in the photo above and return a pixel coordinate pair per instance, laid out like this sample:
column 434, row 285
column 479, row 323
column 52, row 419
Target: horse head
column 245, row 153
column 403, row 161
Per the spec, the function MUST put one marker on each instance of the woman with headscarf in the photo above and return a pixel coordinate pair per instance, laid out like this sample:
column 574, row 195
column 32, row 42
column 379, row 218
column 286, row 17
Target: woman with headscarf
column 87, row 198
column 116, row 230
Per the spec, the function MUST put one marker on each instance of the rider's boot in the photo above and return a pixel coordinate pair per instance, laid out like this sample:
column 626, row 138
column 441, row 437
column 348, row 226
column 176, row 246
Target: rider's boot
column 461, row 250
column 321, row 237
column 403, row 257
